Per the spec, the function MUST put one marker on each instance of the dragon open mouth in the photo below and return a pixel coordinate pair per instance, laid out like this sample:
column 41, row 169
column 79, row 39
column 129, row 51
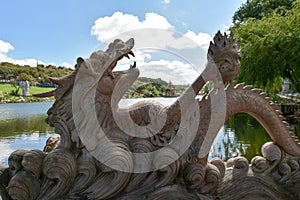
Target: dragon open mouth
column 131, row 66
column 116, row 51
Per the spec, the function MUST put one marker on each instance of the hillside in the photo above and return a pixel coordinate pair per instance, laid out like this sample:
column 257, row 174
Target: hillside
column 148, row 87
column 11, row 73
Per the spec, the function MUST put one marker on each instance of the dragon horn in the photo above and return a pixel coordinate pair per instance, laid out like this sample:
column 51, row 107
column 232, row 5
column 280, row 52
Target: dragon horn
column 45, row 94
column 57, row 81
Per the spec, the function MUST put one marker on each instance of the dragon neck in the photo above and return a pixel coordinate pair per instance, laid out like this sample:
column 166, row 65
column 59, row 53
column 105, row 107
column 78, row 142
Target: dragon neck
column 247, row 100
column 173, row 111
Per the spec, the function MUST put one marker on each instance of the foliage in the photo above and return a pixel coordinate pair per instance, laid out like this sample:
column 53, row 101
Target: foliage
column 39, row 74
column 25, row 77
column 145, row 87
column 1, row 95
column 158, row 81
column 269, row 46
column 26, row 125
column 259, row 8
column 15, row 91
column 148, row 90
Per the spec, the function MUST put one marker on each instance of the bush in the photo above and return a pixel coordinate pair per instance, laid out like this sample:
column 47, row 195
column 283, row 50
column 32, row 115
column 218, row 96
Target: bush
column 1, row 95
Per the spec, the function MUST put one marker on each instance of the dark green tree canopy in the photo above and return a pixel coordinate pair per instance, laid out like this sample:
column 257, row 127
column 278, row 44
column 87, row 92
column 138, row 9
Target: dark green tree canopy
column 39, row 74
column 259, row 8
column 269, row 46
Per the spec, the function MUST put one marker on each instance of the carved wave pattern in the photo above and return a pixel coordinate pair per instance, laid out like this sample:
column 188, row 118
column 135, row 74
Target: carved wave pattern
column 70, row 171
column 73, row 173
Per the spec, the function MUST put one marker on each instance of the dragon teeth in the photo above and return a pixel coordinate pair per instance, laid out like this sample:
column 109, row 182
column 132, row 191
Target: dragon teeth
column 131, row 53
column 133, row 66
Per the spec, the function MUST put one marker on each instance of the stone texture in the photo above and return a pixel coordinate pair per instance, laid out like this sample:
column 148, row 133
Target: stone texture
column 150, row 151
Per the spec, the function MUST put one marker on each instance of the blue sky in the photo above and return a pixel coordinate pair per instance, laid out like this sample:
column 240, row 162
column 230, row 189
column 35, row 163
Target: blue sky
column 57, row 32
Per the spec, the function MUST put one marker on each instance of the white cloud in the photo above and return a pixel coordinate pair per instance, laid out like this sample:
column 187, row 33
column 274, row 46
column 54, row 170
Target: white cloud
column 29, row 61
column 154, row 30
column 66, row 65
column 107, row 27
column 5, row 47
column 201, row 39
column 152, row 36
column 166, row 1
column 176, row 71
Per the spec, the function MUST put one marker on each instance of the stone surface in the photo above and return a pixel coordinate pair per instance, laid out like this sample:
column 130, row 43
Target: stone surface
column 24, row 85
column 286, row 86
column 151, row 151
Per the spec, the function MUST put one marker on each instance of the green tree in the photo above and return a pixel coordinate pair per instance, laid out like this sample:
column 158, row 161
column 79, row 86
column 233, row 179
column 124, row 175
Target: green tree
column 269, row 46
column 148, row 90
column 40, row 74
column 151, row 91
column 259, row 8
column 25, row 77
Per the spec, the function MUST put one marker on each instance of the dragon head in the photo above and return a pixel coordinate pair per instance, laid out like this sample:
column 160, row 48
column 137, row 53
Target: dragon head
column 107, row 60
column 225, row 53
column 100, row 62
column 103, row 63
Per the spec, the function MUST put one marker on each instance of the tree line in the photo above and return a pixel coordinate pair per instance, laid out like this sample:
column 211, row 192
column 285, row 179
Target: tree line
column 10, row 72
column 268, row 33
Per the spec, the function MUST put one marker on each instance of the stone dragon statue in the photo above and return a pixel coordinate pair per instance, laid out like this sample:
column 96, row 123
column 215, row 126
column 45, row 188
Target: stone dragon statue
column 148, row 150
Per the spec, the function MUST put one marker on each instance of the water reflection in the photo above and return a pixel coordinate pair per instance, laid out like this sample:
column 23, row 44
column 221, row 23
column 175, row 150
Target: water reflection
column 23, row 110
column 30, row 132
column 12, row 127
column 242, row 135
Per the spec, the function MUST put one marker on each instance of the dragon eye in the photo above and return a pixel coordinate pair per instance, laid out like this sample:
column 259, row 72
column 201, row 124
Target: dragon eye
column 227, row 60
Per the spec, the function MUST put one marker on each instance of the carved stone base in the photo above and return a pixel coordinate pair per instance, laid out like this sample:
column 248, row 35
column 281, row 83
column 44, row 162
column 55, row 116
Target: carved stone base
column 34, row 174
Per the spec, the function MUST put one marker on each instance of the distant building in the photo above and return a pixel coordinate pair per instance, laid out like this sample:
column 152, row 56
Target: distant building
column 170, row 91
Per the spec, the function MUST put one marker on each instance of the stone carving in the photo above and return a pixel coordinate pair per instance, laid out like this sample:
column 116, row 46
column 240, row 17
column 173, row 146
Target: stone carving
column 150, row 151
column 51, row 144
column 286, row 86
column 24, row 85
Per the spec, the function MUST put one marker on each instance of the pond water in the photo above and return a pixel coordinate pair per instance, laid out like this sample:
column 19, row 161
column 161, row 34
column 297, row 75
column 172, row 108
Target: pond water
column 22, row 126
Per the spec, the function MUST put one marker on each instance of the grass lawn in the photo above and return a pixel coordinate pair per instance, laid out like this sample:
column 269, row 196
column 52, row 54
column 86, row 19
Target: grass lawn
column 7, row 88
column 35, row 90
